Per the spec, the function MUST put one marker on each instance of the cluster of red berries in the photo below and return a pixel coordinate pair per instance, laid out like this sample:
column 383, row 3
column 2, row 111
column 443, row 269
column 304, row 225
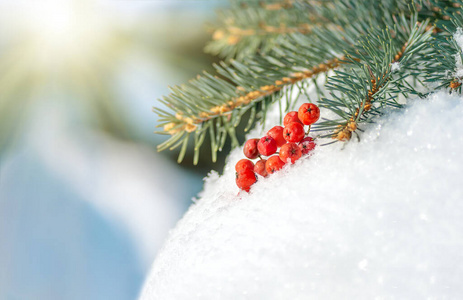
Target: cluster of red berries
column 292, row 140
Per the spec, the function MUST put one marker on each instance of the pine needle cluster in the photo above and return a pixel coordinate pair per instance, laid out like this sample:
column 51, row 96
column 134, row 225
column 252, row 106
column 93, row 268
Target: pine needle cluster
column 273, row 51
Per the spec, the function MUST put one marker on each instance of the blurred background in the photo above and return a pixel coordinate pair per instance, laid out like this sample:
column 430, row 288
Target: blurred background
column 85, row 199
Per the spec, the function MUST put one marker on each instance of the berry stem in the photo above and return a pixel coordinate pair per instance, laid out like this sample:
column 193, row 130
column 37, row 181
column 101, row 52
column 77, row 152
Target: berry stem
column 308, row 130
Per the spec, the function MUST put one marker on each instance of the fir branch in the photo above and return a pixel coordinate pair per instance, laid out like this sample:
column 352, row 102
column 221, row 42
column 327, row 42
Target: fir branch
column 246, row 30
column 359, row 95
column 267, row 90
column 235, row 102
column 279, row 4
column 213, row 105
column 446, row 68
column 241, row 86
column 257, row 26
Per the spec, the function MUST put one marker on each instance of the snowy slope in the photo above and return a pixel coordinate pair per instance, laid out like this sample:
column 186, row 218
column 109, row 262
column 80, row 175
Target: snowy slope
column 379, row 219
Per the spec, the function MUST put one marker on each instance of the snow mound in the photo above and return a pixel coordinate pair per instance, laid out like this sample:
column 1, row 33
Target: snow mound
column 378, row 219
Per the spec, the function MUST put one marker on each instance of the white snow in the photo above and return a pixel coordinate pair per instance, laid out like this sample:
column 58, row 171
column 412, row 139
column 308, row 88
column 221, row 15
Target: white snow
column 377, row 219
column 458, row 37
column 395, row 66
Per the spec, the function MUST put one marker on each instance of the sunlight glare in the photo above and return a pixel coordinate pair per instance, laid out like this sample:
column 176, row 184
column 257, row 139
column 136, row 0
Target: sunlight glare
column 64, row 31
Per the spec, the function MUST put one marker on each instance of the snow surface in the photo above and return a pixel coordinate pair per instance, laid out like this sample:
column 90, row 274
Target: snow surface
column 376, row 219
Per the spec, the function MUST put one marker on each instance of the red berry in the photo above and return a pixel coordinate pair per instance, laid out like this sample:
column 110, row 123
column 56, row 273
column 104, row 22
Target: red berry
column 294, row 132
column 250, row 148
column 274, row 164
column 290, row 117
column 307, row 145
column 245, row 179
column 267, row 145
column 277, row 134
column 244, row 164
column 259, row 168
column 308, row 113
column 290, row 151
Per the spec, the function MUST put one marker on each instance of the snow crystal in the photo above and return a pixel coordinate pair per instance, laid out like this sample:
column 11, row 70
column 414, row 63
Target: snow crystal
column 379, row 218
column 395, row 66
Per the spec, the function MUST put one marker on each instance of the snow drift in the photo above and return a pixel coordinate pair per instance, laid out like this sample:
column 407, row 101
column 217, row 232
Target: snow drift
column 378, row 219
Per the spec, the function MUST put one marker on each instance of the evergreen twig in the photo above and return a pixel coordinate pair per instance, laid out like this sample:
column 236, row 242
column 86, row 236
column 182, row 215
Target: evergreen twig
column 362, row 53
